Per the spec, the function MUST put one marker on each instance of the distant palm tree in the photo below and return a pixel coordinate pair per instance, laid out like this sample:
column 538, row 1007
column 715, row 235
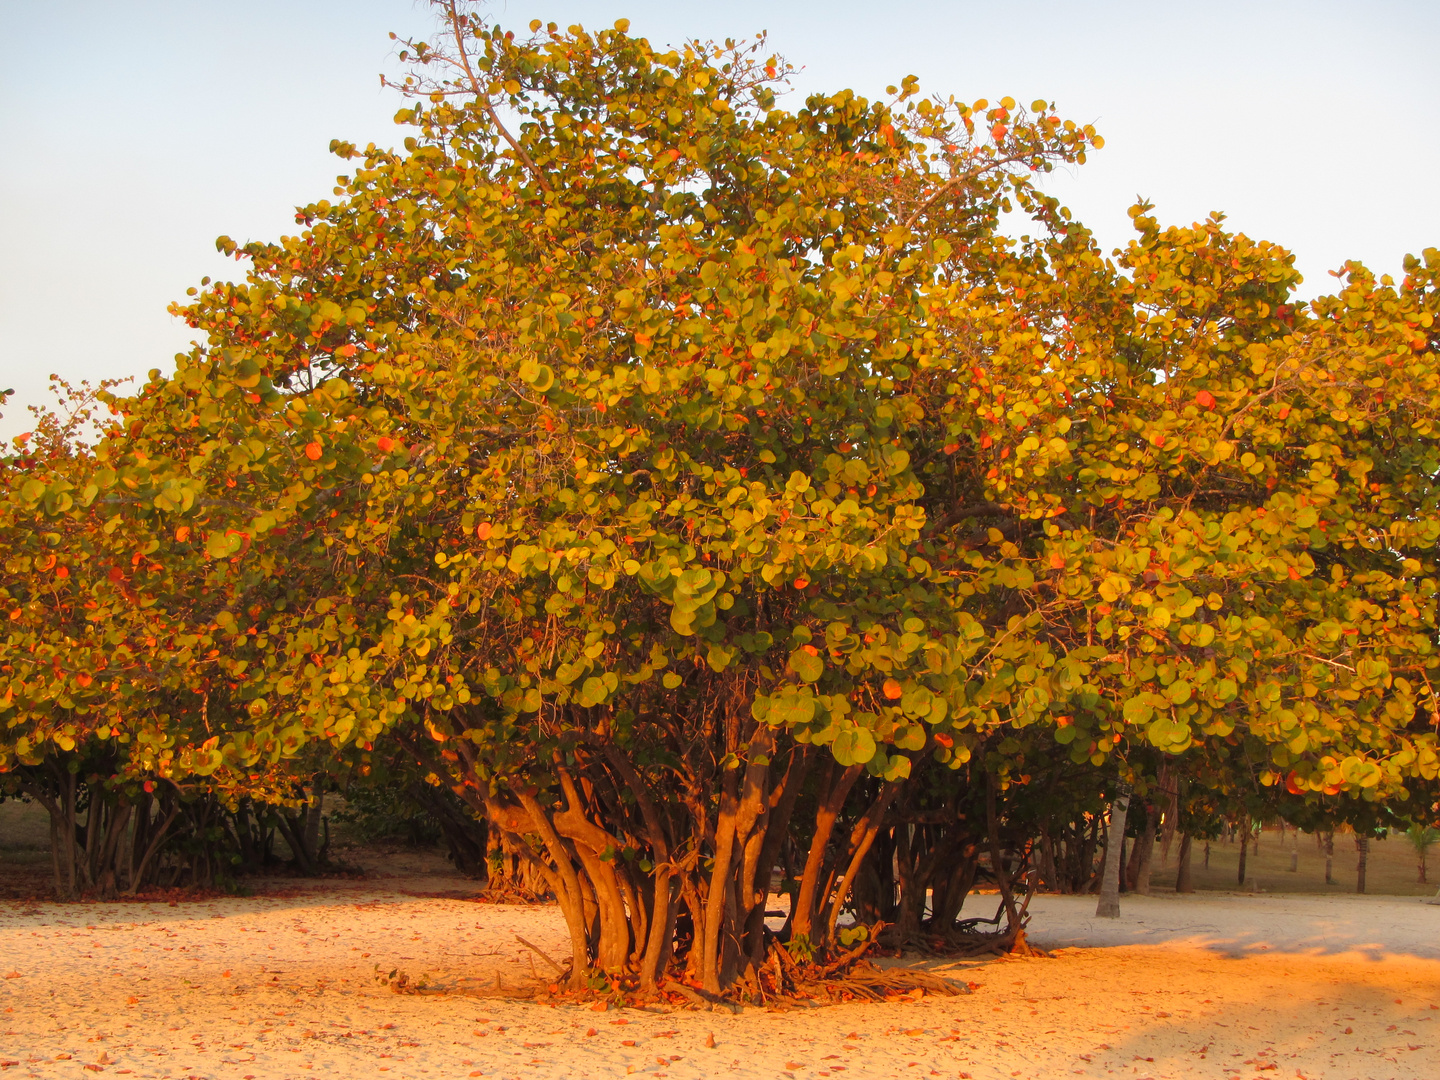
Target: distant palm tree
column 1422, row 837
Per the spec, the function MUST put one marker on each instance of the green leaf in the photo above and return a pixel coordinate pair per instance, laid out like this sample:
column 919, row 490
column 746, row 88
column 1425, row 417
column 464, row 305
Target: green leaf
column 853, row 746
column 806, row 664
column 1137, row 711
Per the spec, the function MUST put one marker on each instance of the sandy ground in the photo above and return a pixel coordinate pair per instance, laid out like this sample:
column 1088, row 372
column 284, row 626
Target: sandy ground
column 271, row 987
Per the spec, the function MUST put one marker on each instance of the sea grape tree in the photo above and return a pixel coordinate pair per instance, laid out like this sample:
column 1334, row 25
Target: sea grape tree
column 679, row 477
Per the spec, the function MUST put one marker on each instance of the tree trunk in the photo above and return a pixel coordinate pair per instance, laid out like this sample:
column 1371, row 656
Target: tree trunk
column 313, row 812
column 1362, row 847
column 1423, row 879
column 1244, row 850
column 1146, row 852
column 1329, row 856
column 1183, row 884
column 861, row 838
column 1109, row 905
column 832, row 798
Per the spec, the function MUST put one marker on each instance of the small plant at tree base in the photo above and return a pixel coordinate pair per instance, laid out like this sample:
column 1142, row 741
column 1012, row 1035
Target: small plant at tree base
column 1422, row 838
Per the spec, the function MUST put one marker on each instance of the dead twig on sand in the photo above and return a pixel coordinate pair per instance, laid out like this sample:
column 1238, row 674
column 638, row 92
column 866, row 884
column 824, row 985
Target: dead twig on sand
column 543, row 955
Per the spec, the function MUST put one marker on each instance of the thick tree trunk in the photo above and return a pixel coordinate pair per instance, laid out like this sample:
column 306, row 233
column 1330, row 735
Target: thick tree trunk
column 564, row 879
column 1109, row 905
column 1362, row 849
column 1329, row 839
column 1183, row 883
column 957, row 888
column 1244, row 849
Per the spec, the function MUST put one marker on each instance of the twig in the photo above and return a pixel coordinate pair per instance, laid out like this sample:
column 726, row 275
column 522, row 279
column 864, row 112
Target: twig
column 540, row 953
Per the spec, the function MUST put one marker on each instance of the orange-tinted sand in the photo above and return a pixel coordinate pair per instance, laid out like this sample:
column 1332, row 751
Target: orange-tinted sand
column 269, row 987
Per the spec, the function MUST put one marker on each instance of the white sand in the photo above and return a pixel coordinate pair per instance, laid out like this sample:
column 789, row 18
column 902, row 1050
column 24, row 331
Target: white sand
column 265, row 988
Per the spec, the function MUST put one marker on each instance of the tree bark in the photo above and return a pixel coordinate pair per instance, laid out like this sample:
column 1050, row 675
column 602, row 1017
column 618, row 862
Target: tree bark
column 861, row 838
column 1362, row 848
column 566, row 881
column 807, row 903
column 1183, row 882
column 1329, row 856
column 1002, row 878
column 1244, row 850
column 1109, row 905
column 1146, row 852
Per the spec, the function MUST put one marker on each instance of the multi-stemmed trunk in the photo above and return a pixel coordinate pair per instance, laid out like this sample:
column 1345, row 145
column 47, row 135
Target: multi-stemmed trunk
column 625, row 848
column 108, row 845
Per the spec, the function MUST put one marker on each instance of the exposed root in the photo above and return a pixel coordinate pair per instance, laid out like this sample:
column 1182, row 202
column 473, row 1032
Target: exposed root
column 865, row 982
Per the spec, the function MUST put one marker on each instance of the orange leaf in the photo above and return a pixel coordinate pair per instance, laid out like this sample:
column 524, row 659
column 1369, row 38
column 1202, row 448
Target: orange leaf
column 182, row 533
column 802, row 582
column 385, row 443
column 892, row 689
column 1205, row 399
column 483, row 530
column 313, row 451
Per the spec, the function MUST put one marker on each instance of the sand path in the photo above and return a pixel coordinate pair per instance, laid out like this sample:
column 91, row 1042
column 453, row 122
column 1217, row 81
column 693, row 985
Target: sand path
column 264, row 988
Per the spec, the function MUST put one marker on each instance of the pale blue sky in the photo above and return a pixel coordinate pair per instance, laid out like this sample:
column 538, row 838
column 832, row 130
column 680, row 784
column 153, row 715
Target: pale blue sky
column 132, row 134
